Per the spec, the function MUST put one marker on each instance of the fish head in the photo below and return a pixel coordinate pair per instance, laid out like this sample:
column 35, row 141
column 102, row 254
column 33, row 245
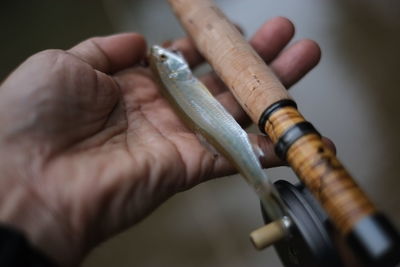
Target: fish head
column 169, row 62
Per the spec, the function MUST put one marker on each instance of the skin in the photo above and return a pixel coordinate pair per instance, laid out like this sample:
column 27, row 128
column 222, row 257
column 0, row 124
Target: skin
column 89, row 146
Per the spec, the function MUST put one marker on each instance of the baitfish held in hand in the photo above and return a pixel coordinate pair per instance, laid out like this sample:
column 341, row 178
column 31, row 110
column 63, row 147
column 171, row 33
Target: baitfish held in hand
column 206, row 115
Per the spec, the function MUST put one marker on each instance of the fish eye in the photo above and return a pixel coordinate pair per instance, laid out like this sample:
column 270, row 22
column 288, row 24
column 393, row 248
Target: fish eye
column 163, row 57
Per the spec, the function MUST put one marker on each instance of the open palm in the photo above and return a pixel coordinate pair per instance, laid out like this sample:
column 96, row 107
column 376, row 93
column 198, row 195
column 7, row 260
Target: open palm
column 102, row 147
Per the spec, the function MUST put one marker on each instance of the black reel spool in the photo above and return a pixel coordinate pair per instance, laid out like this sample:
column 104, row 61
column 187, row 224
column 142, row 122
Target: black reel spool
column 310, row 243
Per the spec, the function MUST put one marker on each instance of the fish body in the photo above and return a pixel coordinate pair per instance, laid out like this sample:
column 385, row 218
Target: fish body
column 207, row 116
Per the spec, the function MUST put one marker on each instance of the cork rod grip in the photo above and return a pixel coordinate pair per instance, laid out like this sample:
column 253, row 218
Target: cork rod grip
column 255, row 87
column 248, row 78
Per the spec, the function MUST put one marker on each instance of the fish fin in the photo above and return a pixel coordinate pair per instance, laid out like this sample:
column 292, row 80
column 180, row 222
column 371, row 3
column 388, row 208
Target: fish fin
column 203, row 141
column 258, row 151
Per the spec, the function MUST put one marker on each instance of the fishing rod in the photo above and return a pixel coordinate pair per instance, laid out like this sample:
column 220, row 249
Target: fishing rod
column 268, row 104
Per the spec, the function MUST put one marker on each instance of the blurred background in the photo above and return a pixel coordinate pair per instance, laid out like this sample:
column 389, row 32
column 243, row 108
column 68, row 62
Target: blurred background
column 351, row 97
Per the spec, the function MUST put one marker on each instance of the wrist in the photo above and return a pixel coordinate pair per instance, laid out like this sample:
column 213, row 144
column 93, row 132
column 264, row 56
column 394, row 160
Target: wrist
column 22, row 209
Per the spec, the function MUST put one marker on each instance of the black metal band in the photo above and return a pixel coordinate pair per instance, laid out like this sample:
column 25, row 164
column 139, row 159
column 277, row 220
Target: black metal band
column 292, row 135
column 271, row 109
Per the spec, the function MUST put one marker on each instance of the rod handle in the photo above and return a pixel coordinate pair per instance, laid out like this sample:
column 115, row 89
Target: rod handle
column 256, row 89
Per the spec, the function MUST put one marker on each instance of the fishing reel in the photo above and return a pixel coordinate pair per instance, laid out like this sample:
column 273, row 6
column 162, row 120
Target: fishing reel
column 309, row 242
column 312, row 241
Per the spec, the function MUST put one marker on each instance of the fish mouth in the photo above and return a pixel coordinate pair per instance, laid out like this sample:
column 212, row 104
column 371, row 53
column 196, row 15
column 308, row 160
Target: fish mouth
column 167, row 56
column 156, row 49
column 159, row 52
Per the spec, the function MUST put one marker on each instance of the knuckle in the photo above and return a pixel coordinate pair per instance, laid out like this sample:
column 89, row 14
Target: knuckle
column 53, row 60
column 50, row 57
column 50, row 54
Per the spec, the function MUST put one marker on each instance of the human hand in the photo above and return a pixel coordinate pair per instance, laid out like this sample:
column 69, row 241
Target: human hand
column 89, row 146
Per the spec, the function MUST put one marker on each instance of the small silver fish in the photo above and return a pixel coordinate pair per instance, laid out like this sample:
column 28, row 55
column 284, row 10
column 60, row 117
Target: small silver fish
column 205, row 115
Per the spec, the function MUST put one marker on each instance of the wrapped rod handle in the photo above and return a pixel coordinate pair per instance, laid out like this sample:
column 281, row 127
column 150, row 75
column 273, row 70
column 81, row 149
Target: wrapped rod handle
column 258, row 91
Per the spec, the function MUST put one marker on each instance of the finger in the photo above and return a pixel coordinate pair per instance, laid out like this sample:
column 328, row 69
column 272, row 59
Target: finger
column 112, row 53
column 232, row 106
column 272, row 37
column 296, row 61
column 213, row 83
column 188, row 49
column 268, row 159
column 330, row 144
column 219, row 166
column 226, row 98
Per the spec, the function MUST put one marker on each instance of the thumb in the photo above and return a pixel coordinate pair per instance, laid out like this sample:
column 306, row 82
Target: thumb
column 111, row 53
